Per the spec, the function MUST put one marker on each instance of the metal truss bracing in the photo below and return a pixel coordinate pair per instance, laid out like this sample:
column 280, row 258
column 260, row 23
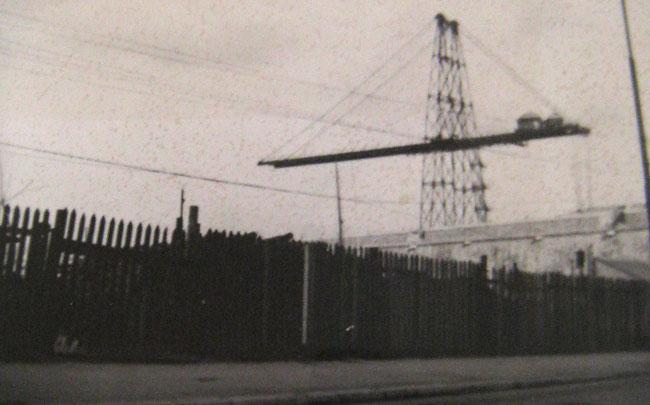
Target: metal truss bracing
column 453, row 191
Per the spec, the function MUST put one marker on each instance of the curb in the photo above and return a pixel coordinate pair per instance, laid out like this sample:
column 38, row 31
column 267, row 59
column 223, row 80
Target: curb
column 399, row 393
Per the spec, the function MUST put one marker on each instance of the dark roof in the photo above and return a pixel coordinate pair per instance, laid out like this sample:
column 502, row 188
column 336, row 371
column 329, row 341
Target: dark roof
column 530, row 116
column 635, row 269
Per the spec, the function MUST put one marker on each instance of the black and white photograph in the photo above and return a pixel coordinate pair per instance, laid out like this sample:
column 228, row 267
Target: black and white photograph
column 324, row 201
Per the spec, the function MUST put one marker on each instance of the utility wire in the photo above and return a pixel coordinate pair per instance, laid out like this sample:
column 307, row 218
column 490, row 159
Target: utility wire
column 255, row 72
column 197, row 100
column 200, row 100
column 329, row 123
column 355, row 89
column 509, row 70
column 147, row 79
column 377, row 203
column 164, row 172
column 221, row 65
column 375, row 89
column 296, row 114
column 19, row 192
column 382, row 205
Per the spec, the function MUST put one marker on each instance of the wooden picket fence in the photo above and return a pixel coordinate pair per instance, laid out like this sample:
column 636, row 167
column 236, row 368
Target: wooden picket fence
column 553, row 313
column 376, row 304
column 120, row 290
column 380, row 305
column 132, row 291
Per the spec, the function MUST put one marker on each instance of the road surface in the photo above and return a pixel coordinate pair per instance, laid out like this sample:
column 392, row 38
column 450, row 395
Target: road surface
column 332, row 381
column 634, row 390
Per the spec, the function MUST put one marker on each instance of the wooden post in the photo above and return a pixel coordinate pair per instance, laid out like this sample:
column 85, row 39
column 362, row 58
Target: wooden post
column 4, row 226
column 13, row 239
column 265, row 295
column 21, row 267
column 305, row 296
column 35, row 252
column 338, row 205
column 146, row 288
column 356, row 260
column 49, row 306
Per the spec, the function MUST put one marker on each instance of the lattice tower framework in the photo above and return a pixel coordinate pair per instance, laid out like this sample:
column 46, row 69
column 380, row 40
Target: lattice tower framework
column 453, row 190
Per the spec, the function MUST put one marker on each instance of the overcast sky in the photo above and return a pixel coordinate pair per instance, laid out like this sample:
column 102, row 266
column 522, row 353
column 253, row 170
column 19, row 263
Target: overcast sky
column 210, row 88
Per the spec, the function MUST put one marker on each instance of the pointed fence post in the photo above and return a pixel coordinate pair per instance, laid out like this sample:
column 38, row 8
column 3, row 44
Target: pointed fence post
column 4, row 227
column 48, row 308
column 13, row 239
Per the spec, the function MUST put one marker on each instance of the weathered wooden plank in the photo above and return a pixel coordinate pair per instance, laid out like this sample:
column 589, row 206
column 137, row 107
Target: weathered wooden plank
column 4, row 230
column 79, row 253
column 123, row 270
column 75, row 249
column 12, row 237
column 35, row 252
column 21, row 258
column 51, row 303
column 104, row 287
column 87, row 274
column 64, row 263
column 133, row 286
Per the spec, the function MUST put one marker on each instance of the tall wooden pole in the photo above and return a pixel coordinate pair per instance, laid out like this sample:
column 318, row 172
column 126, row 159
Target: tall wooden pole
column 639, row 118
column 2, row 186
column 338, row 204
column 305, row 295
column 182, row 201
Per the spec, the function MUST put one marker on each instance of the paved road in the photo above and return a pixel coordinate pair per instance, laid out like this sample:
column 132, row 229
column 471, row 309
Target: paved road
column 72, row 382
column 620, row 391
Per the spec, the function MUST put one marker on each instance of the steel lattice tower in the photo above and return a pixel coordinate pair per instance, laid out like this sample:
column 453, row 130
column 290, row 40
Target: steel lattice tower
column 453, row 191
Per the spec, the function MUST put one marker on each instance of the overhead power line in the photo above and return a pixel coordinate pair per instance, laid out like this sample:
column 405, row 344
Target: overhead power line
column 359, row 103
column 195, row 99
column 146, row 80
column 188, row 95
column 129, row 166
column 510, row 71
column 201, row 100
column 157, row 52
column 352, row 92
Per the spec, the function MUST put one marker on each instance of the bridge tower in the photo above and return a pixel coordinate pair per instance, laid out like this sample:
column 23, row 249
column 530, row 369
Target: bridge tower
column 452, row 190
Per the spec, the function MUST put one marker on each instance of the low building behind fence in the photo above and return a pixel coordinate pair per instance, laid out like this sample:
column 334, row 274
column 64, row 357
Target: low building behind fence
column 568, row 243
column 104, row 288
